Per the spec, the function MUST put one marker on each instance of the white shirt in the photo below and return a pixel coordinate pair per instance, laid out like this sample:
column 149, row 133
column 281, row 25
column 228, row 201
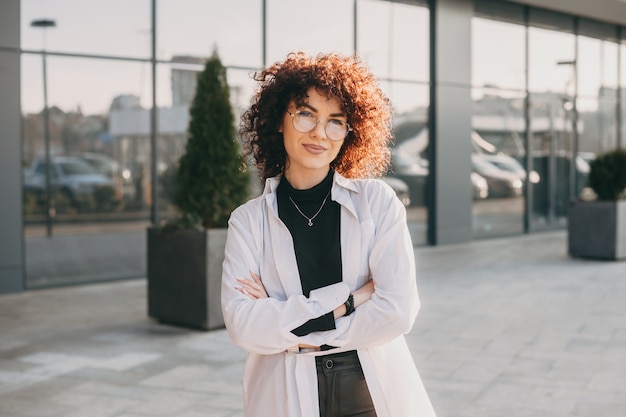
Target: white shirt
column 375, row 243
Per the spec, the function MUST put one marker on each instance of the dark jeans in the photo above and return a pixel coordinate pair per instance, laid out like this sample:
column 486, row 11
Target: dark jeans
column 342, row 388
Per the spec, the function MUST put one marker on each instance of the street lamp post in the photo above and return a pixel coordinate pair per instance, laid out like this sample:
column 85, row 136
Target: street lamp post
column 44, row 24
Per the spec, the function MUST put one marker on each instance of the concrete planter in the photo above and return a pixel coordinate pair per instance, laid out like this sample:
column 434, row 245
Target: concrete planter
column 597, row 229
column 184, row 277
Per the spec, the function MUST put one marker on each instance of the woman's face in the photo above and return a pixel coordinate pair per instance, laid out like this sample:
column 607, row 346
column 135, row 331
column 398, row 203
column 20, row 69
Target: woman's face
column 309, row 154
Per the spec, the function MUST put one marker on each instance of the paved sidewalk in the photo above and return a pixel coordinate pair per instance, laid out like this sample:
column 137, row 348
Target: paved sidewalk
column 508, row 328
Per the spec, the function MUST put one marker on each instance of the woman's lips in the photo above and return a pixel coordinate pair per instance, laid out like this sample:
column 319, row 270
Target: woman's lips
column 316, row 149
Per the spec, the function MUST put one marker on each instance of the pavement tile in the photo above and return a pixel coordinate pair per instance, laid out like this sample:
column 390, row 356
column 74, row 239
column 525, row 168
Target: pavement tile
column 102, row 406
column 601, row 405
column 168, row 403
column 31, row 407
column 126, row 361
column 508, row 327
column 194, row 378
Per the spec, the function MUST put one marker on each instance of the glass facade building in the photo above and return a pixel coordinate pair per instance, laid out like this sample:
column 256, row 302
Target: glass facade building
column 499, row 107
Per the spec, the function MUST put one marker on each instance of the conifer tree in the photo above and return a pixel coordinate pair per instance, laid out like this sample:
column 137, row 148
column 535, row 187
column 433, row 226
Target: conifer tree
column 210, row 181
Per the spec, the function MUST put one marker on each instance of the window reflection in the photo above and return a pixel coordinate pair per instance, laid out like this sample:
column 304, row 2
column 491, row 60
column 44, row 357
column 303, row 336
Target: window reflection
column 397, row 52
column 552, row 70
column 329, row 27
column 409, row 157
column 98, row 211
column 498, row 128
column 551, row 149
column 195, row 27
column 398, row 47
column 503, row 40
column 89, row 27
column 498, row 174
column 597, row 81
column 597, row 65
column 81, row 112
column 546, row 50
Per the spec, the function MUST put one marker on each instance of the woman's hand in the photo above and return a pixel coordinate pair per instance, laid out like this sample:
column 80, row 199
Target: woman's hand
column 252, row 288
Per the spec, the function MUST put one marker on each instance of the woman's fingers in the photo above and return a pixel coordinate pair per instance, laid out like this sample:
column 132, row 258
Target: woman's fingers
column 256, row 278
column 252, row 288
column 249, row 283
column 254, row 294
column 259, row 285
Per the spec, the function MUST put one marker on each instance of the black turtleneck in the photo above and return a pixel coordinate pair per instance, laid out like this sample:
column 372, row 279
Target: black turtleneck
column 317, row 247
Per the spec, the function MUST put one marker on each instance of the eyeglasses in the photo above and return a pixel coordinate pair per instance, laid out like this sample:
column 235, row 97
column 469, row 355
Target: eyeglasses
column 304, row 122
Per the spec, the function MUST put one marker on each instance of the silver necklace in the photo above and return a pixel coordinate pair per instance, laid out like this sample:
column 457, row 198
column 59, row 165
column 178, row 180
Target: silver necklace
column 310, row 219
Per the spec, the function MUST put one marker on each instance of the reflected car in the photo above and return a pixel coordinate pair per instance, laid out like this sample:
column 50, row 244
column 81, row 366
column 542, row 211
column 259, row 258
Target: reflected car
column 480, row 188
column 587, row 156
column 102, row 163
column 413, row 171
column 501, row 183
column 508, row 163
column 70, row 175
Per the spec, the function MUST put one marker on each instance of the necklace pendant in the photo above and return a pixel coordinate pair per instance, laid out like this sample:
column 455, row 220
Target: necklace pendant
column 310, row 219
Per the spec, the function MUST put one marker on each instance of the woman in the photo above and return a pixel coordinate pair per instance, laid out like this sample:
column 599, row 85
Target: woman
column 319, row 278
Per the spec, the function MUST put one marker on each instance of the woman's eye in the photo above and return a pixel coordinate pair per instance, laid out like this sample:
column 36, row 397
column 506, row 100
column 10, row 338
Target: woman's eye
column 336, row 122
column 305, row 113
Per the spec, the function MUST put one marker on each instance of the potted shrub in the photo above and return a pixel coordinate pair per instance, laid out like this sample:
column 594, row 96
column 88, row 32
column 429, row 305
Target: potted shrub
column 597, row 228
column 185, row 254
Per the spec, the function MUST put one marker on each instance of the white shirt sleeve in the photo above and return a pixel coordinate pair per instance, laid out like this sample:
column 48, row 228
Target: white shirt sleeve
column 392, row 310
column 264, row 326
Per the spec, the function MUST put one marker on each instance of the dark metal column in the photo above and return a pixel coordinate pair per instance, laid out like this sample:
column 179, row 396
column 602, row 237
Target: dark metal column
column 450, row 122
column 12, row 269
column 154, row 180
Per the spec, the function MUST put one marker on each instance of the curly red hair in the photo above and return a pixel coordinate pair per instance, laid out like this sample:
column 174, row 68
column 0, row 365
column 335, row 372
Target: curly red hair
column 365, row 151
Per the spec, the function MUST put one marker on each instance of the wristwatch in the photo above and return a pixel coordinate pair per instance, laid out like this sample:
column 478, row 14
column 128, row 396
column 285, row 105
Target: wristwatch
column 349, row 305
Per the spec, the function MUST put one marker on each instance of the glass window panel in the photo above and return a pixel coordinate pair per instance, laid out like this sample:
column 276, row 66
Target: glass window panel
column 498, row 159
column 195, row 27
column 98, row 215
column 597, row 124
column 597, row 86
column 597, row 66
column 498, row 51
column 551, row 151
column 606, row 120
column 87, row 89
column 409, row 169
column 398, row 47
column 88, row 27
column 312, row 27
column 551, row 60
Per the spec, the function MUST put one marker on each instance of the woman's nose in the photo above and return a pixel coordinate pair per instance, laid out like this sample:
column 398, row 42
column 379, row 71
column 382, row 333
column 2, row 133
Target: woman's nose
column 319, row 130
